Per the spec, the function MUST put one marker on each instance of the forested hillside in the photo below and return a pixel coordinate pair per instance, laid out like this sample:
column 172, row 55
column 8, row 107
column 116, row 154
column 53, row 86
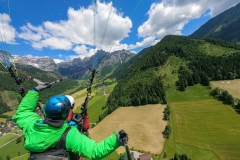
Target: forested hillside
column 224, row 26
column 204, row 60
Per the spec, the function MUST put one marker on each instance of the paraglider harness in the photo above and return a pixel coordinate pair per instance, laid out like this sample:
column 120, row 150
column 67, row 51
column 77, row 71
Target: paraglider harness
column 57, row 153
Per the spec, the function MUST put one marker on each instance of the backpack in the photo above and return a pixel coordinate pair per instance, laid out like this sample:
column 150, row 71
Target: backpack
column 57, row 153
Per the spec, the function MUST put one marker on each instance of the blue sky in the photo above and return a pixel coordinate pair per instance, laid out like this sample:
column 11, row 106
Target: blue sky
column 65, row 29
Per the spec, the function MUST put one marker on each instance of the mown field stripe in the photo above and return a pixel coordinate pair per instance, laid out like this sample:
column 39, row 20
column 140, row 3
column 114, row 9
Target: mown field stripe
column 7, row 138
column 207, row 124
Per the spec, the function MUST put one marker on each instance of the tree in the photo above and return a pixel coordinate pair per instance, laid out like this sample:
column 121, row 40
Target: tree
column 164, row 100
column 230, row 99
column 166, row 112
column 215, row 92
column 167, row 131
column 18, row 140
column 180, row 157
column 166, row 116
column 238, row 105
column 164, row 155
column 223, row 95
column 8, row 157
column 204, row 80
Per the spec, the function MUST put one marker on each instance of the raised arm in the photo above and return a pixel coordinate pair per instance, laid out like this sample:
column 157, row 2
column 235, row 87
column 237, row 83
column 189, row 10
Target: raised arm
column 25, row 113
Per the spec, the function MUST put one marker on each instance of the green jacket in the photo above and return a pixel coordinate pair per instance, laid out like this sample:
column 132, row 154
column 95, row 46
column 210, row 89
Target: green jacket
column 39, row 137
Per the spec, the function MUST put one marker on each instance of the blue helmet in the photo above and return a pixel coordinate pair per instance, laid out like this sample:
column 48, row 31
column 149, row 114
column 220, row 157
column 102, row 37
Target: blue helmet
column 57, row 107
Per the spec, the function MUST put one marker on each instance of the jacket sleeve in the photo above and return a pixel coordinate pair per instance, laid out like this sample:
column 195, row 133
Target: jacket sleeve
column 25, row 112
column 86, row 147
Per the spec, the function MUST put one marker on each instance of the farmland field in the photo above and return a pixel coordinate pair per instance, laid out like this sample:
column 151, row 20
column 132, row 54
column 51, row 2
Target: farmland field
column 144, row 125
column 232, row 86
column 202, row 124
column 3, row 120
column 22, row 157
column 13, row 149
column 7, row 138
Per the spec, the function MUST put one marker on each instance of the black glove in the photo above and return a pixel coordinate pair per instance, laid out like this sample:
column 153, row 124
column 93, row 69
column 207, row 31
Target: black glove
column 122, row 137
column 42, row 86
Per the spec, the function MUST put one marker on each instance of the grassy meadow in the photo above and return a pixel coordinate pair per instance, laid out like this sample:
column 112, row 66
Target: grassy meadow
column 110, row 88
column 7, row 138
column 112, row 156
column 216, row 50
column 22, row 157
column 203, row 127
column 3, row 120
column 13, row 149
column 10, row 99
column 95, row 107
column 169, row 72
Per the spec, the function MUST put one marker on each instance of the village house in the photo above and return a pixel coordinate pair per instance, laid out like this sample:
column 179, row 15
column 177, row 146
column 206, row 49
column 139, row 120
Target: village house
column 145, row 156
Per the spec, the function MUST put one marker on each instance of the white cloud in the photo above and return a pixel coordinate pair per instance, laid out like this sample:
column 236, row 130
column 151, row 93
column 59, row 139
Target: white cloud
column 58, row 60
column 155, row 42
column 218, row 7
column 83, row 51
column 78, row 30
column 7, row 32
column 117, row 46
column 32, row 33
column 133, row 51
column 168, row 19
column 32, row 56
column 57, row 43
column 71, row 57
column 145, row 42
column 170, row 16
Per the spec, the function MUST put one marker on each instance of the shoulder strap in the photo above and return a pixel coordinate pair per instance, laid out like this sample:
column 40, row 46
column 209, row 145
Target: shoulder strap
column 61, row 143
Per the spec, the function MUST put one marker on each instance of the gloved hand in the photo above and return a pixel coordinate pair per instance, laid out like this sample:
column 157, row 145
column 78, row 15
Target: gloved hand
column 42, row 86
column 122, row 137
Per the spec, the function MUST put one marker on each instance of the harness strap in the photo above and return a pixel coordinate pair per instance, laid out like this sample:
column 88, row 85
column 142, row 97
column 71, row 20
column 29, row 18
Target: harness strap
column 61, row 143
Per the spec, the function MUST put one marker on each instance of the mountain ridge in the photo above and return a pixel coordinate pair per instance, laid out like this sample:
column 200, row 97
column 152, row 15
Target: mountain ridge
column 223, row 26
column 99, row 60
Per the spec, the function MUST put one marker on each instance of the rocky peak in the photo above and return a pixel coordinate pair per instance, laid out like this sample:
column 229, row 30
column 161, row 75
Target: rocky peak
column 44, row 63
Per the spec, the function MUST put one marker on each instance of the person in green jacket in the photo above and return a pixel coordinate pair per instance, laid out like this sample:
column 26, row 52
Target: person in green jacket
column 42, row 134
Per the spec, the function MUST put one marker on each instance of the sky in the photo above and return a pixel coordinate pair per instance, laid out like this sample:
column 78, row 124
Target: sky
column 67, row 29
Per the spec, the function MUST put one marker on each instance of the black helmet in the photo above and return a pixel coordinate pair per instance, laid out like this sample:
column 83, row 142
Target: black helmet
column 57, row 107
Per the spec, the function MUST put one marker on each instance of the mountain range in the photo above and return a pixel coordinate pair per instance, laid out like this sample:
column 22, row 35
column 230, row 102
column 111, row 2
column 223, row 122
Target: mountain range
column 224, row 26
column 100, row 60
